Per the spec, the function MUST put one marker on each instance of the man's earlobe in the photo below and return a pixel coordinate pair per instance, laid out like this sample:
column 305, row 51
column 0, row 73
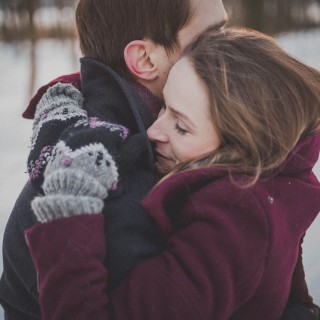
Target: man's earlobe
column 137, row 56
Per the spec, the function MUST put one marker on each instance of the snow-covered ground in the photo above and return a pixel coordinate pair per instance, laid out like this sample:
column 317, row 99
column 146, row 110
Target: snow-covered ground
column 55, row 58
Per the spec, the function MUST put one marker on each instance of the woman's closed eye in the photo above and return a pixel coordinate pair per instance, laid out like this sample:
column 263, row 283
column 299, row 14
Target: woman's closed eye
column 180, row 129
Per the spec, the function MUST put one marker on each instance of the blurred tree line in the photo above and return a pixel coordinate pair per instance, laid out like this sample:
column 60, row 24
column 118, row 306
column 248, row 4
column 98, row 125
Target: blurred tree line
column 38, row 19
column 274, row 16
column 18, row 18
column 28, row 19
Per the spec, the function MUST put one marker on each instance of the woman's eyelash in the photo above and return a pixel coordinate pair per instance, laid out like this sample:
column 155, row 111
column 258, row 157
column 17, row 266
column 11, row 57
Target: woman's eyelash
column 180, row 130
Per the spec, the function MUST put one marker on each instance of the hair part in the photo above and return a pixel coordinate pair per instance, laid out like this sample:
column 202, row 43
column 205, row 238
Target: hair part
column 262, row 100
column 105, row 27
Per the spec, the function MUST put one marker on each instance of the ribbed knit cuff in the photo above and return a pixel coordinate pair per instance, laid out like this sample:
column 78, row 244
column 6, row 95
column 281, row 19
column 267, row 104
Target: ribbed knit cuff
column 61, row 94
column 53, row 207
column 62, row 102
column 74, row 182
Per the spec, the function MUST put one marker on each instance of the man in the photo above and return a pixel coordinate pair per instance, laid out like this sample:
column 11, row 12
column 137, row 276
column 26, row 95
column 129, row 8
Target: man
column 129, row 48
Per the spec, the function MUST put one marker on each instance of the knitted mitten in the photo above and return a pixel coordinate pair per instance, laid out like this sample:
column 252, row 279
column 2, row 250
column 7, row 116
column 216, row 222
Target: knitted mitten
column 75, row 182
column 81, row 170
column 58, row 108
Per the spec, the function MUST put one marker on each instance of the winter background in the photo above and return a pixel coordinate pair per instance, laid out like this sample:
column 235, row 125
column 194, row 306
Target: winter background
column 56, row 57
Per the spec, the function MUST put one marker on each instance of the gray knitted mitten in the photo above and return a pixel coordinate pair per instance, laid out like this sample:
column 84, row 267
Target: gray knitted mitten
column 75, row 181
column 72, row 157
column 60, row 107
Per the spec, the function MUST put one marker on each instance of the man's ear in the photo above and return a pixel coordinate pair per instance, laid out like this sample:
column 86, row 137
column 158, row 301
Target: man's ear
column 138, row 58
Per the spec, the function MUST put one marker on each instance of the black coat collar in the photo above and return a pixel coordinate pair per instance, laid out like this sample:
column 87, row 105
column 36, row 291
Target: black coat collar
column 109, row 97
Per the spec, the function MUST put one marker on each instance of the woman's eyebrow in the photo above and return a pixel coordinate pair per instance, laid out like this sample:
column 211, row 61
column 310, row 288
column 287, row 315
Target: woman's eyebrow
column 183, row 116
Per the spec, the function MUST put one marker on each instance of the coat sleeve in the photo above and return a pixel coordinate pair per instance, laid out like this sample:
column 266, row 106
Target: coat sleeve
column 18, row 285
column 213, row 264
column 68, row 254
column 208, row 268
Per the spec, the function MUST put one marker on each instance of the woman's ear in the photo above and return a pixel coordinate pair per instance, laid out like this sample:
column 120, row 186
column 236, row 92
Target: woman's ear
column 138, row 58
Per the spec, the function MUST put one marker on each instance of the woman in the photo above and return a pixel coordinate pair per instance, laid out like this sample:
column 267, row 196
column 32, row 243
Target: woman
column 240, row 135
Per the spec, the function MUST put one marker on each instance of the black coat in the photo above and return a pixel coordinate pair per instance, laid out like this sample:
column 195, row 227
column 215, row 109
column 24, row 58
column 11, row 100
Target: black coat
column 110, row 98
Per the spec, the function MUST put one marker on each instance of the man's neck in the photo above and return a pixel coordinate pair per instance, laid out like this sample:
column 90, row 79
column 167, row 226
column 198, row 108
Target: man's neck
column 153, row 103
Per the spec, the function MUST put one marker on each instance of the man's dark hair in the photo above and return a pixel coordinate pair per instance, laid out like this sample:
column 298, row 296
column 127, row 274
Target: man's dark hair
column 105, row 27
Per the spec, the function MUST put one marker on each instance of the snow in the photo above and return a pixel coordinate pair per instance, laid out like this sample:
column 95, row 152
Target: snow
column 306, row 46
column 56, row 58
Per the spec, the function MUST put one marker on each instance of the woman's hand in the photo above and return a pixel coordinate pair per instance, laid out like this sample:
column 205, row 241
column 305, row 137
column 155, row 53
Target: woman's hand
column 81, row 170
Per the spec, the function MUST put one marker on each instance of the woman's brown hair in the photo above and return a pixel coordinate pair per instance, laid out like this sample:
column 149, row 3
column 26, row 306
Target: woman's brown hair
column 262, row 100
column 105, row 27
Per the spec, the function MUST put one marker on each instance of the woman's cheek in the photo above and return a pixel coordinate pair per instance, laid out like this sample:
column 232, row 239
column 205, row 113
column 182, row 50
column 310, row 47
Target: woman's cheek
column 178, row 150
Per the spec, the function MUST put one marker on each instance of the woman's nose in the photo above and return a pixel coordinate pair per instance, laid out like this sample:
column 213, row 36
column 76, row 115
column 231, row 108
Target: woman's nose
column 156, row 132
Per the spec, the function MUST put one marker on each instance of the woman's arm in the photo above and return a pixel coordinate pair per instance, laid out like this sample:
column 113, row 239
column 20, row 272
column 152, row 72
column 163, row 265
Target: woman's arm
column 68, row 255
column 195, row 278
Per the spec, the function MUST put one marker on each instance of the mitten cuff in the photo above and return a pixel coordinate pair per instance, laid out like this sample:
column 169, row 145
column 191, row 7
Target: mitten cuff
column 74, row 182
column 59, row 107
column 53, row 207
column 59, row 95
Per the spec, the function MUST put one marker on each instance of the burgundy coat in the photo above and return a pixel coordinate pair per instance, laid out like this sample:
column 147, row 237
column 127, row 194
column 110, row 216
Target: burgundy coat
column 230, row 252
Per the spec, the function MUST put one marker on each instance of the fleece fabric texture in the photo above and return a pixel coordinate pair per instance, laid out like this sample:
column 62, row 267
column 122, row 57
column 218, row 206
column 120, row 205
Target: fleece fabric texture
column 230, row 253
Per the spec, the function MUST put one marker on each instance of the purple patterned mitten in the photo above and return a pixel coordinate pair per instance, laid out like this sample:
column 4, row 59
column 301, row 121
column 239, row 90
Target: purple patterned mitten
column 60, row 107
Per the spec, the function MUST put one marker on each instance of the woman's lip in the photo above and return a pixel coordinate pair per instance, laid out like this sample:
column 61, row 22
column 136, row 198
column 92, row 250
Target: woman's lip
column 160, row 155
